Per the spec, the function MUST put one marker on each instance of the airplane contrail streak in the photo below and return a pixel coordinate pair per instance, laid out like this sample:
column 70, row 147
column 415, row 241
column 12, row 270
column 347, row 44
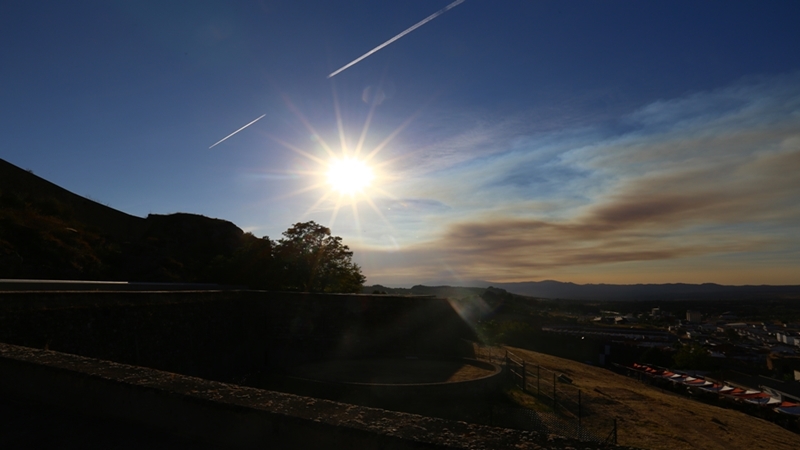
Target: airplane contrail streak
column 409, row 30
column 240, row 129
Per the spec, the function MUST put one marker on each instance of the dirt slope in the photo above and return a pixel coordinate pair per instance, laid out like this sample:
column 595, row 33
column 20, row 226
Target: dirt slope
column 652, row 419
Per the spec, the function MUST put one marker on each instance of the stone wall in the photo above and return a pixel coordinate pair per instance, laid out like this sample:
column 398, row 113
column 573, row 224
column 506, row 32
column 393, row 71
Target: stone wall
column 192, row 408
column 125, row 337
column 224, row 335
column 211, row 414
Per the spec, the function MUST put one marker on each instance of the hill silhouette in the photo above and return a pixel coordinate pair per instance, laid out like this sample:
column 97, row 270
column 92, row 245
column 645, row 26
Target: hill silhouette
column 21, row 185
column 668, row 291
column 49, row 232
column 550, row 289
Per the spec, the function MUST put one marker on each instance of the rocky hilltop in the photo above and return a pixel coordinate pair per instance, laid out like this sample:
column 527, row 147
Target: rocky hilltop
column 49, row 232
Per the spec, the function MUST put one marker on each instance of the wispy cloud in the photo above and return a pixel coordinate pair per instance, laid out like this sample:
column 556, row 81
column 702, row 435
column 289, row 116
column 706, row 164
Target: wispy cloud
column 450, row 140
column 707, row 175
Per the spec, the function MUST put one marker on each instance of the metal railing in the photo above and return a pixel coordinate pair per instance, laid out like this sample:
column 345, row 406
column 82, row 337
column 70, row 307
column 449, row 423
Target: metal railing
column 566, row 411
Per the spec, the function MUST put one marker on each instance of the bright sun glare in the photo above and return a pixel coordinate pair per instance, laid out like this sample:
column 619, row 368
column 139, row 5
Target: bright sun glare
column 348, row 175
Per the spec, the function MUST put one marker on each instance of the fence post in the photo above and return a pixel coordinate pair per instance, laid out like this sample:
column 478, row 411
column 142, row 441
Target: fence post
column 509, row 369
column 524, row 374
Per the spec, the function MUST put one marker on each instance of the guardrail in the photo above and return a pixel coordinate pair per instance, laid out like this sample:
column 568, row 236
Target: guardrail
column 571, row 414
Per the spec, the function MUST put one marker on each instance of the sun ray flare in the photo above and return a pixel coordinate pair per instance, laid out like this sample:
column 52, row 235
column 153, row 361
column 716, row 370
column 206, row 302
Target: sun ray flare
column 297, row 150
column 391, row 137
column 357, row 220
column 345, row 175
column 317, row 203
column 339, row 125
column 301, row 191
column 365, row 129
column 308, row 125
column 379, row 213
column 335, row 211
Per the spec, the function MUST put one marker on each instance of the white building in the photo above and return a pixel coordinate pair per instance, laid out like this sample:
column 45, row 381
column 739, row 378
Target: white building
column 694, row 316
column 788, row 338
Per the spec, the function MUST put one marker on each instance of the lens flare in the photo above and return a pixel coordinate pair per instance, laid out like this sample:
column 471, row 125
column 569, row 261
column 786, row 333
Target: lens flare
column 349, row 176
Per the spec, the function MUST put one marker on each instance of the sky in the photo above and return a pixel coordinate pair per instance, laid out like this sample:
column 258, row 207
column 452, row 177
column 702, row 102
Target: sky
column 517, row 140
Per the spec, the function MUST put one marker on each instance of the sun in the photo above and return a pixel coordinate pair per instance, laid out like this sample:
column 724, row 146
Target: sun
column 349, row 176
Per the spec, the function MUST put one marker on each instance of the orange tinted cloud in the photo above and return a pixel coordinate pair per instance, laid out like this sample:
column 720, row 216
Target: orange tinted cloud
column 706, row 186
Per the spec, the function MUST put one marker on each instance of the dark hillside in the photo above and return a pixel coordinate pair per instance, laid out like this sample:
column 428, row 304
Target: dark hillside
column 39, row 244
column 23, row 186
column 179, row 248
column 672, row 291
column 47, row 232
column 437, row 291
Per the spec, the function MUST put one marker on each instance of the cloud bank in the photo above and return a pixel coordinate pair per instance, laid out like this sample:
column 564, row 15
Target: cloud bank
column 707, row 183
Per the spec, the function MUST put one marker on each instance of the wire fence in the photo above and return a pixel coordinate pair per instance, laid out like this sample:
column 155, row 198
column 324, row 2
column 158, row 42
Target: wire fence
column 566, row 411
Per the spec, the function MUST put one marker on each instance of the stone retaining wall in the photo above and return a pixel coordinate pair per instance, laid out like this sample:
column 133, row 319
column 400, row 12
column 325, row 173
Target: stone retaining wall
column 223, row 414
column 224, row 335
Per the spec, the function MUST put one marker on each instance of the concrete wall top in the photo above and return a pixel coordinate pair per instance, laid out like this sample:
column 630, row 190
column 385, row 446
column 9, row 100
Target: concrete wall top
column 230, row 414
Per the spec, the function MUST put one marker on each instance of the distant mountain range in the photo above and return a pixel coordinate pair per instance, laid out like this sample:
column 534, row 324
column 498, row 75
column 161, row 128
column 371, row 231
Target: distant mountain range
column 672, row 291
column 550, row 289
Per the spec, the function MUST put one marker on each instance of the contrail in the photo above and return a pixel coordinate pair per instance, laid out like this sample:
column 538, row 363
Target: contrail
column 414, row 27
column 240, row 129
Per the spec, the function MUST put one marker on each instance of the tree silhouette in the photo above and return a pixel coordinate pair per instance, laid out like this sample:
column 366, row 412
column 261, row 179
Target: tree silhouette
column 252, row 264
column 311, row 260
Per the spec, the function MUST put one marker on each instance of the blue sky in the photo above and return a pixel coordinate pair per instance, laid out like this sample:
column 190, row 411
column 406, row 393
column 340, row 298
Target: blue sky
column 584, row 141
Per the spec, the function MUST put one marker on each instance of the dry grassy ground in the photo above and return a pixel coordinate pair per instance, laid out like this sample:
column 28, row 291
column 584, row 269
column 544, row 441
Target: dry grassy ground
column 652, row 419
column 401, row 371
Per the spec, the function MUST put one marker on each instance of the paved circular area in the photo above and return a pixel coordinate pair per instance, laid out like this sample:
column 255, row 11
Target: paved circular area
column 393, row 371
